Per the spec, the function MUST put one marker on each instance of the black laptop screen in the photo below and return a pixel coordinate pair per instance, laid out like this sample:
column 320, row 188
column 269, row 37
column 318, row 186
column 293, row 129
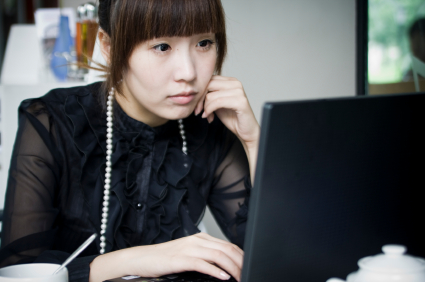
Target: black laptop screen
column 336, row 180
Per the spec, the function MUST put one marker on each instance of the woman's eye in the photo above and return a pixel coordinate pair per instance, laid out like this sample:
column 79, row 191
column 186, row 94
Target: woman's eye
column 205, row 43
column 162, row 47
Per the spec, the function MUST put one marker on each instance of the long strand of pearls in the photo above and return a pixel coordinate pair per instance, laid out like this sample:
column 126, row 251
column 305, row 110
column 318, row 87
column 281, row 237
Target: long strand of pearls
column 108, row 170
column 182, row 133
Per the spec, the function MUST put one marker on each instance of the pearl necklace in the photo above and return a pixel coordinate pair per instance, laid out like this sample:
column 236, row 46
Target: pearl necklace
column 108, row 170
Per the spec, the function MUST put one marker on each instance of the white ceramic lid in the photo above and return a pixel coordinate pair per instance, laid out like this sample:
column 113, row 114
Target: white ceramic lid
column 393, row 260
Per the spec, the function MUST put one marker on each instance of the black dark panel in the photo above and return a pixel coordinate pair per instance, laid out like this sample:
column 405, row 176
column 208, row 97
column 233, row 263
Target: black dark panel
column 361, row 47
column 336, row 180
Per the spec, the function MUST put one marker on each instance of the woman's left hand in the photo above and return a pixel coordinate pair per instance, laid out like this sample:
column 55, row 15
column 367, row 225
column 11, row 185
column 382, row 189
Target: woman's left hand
column 226, row 98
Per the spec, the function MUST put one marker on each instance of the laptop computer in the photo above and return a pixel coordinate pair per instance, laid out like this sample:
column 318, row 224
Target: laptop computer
column 336, row 180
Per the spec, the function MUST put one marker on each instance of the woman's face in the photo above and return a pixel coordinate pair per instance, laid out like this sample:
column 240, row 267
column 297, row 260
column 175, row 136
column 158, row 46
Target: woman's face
column 167, row 77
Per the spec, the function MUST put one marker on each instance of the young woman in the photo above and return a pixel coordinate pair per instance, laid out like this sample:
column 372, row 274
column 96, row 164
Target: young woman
column 137, row 158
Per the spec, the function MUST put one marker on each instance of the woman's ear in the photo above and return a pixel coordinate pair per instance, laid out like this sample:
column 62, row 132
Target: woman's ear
column 105, row 44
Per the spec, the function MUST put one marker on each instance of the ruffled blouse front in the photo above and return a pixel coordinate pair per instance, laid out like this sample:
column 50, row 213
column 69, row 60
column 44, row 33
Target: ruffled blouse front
column 157, row 192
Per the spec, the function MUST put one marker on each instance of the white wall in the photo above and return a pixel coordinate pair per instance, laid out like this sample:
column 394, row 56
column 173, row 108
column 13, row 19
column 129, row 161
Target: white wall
column 291, row 49
column 76, row 3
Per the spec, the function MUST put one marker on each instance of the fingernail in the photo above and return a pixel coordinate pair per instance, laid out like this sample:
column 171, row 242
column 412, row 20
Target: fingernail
column 210, row 118
column 204, row 115
column 225, row 275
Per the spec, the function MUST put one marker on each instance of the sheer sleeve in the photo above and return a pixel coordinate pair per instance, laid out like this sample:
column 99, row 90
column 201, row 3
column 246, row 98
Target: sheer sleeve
column 229, row 196
column 29, row 231
column 33, row 177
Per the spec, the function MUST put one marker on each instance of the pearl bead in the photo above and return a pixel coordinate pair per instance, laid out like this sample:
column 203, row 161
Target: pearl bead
column 108, row 163
column 109, row 146
column 102, row 231
column 109, row 124
column 102, row 238
column 104, row 220
column 106, row 193
column 109, row 103
column 109, row 152
column 107, row 186
column 106, row 198
column 107, row 175
column 105, row 204
column 109, row 108
column 102, row 244
column 105, row 209
column 107, row 181
column 109, row 119
column 108, row 114
column 103, row 226
column 108, row 169
column 182, row 133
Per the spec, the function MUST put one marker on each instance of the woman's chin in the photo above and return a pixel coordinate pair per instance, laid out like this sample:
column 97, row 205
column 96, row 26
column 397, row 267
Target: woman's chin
column 182, row 114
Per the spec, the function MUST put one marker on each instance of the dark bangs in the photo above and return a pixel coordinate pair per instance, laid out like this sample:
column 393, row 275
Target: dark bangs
column 134, row 21
column 181, row 18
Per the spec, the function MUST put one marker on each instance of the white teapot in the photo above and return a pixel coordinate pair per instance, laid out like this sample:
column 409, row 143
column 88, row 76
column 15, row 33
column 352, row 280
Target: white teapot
column 393, row 265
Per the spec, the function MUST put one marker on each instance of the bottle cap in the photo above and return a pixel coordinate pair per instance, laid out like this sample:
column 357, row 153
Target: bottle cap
column 91, row 11
column 81, row 13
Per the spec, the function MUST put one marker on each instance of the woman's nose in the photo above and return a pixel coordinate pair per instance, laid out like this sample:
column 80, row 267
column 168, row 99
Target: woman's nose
column 184, row 66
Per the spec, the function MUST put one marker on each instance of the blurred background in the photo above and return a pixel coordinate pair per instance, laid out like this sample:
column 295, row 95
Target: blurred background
column 19, row 11
column 396, row 33
column 389, row 42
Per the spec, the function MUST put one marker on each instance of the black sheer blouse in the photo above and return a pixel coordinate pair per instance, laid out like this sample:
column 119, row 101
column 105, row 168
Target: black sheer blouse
column 55, row 190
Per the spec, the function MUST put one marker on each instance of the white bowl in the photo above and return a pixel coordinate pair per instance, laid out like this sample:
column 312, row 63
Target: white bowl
column 33, row 272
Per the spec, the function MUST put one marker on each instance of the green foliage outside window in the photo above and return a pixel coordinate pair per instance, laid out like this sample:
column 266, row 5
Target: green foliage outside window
column 389, row 51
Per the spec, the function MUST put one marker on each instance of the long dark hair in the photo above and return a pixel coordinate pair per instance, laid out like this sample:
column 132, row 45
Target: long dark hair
column 131, row 22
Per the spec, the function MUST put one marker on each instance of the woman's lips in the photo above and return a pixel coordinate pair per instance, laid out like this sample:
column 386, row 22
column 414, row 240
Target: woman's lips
column 183, row 98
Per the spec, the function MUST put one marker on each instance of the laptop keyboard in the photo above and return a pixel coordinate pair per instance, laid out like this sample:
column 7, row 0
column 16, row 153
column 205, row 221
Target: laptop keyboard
column 194, row 277
column 179, row 277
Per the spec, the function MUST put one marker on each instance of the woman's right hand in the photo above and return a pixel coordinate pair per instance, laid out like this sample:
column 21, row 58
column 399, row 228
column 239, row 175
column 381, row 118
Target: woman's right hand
column 200, row 252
